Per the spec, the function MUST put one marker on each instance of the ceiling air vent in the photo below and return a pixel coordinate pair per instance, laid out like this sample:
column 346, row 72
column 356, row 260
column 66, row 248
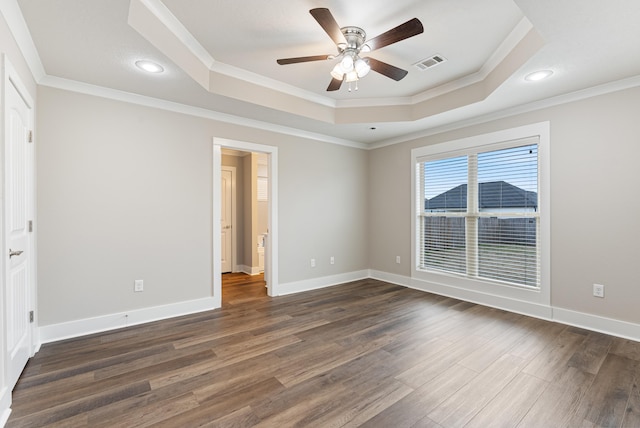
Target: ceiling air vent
column 430, row 62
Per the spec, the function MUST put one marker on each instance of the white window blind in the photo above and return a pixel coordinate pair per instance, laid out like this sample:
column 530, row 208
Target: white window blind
column 443, row 225
column 263, row 189
column 479, row 214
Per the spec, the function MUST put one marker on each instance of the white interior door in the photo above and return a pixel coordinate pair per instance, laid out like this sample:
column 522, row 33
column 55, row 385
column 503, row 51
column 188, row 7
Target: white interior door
column 18, row 173
column 226, row 221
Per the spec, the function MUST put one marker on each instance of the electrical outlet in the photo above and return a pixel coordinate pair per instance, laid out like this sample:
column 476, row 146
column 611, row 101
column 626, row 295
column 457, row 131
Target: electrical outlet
column 138, row 285
column 332, row 260
column 398, row 259
column 598, row 290
column 313, row 262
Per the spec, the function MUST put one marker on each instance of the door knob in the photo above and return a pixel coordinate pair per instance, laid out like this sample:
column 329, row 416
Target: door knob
column 14, row 252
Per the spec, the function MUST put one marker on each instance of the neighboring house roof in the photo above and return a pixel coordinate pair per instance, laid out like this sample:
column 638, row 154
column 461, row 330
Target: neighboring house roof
column 495, row 194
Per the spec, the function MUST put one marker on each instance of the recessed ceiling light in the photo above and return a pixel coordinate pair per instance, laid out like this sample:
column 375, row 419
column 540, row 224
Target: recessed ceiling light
column 149, row 66
column 538, row 75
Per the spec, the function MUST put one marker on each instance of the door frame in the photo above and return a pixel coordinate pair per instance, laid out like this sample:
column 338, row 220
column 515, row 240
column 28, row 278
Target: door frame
column 271, row 249
column 234, row 227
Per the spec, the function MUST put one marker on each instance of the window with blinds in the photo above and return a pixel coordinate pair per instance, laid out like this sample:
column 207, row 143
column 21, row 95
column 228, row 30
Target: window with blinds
column 479, row 214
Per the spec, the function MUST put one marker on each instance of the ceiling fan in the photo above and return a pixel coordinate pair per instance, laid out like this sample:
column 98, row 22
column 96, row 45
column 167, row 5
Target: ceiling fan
column 350, row 42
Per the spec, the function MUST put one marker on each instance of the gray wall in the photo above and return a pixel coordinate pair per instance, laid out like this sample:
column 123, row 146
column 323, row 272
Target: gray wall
column 325, row 208
column 595, row 234
column 125, row 193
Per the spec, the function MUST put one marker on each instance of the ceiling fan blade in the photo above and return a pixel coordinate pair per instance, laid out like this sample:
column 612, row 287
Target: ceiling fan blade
column 296, row 60
column 388, row 70
column 411, row 28
column 328, row 24
column 334, row 85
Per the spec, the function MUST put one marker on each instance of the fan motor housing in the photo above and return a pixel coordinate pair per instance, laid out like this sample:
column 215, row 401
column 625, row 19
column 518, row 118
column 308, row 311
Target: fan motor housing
column 355, row 38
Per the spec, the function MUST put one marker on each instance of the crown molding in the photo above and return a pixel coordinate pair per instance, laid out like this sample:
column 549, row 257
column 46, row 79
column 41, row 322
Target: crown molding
column 18, row 27
column 519, row 32
column 84, row 88
column 128, row 97
column 168, row 19
column 180, row 32
column 162, row 29
column 257, row 79
column 579, row 95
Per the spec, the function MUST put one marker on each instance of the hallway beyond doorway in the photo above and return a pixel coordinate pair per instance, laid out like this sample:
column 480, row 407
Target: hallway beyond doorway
column 242, row 288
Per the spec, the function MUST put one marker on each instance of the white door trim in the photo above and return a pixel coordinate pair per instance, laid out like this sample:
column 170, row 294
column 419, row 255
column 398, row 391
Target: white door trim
column 271, row 256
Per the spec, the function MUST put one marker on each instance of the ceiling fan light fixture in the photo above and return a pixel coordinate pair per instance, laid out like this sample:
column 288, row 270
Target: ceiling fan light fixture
column 347, row 63
column 337, row 72
column 362, row 67
column 351, row 76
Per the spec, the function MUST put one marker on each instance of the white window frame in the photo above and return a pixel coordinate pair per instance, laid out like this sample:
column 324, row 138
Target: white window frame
column 529, row 300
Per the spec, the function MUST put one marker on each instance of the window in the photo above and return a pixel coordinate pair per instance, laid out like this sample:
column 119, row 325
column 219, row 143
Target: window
column 479, row 214
column 480, row 226
column 263, row 177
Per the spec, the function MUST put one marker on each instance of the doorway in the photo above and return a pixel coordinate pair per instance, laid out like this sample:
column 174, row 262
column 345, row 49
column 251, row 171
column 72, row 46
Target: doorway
column 270, row 241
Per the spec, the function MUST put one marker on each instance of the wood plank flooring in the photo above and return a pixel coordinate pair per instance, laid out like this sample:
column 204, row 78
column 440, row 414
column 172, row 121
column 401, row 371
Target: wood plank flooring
column 366, row 353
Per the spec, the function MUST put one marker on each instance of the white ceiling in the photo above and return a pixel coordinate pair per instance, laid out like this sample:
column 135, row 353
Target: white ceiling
column 490, row 45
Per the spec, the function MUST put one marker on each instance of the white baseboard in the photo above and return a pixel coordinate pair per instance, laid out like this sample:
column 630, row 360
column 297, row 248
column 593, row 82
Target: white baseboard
column 597, row 323
column 54, row 332
column 4, row 416
column 591, row 322
column 316, row 283
column 250, row 270
column 5, row 405
column 390, row 277
column 485, row 299
column 82, row 327
column 66, row 330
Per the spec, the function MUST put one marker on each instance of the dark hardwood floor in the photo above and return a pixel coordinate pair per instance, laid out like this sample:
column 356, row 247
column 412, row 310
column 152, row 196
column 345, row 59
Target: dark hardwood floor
column 365, row 353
